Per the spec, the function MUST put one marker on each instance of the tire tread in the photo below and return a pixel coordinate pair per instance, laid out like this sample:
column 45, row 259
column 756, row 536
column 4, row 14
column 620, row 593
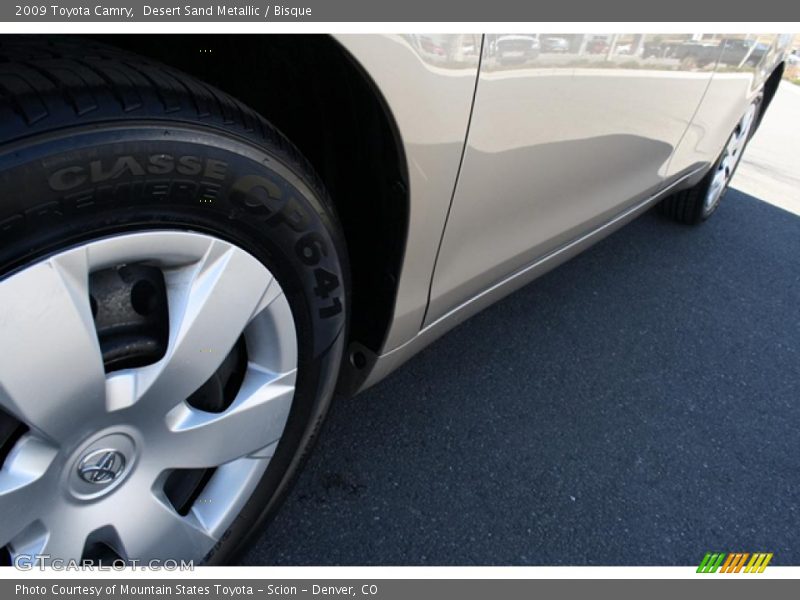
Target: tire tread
column 685, row 206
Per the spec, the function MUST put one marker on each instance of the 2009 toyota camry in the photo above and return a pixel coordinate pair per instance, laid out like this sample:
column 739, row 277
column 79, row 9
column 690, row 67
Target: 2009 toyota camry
column 203, row 238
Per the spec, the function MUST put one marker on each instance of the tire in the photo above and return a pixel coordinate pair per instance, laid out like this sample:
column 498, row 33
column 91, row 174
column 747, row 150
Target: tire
column 697, row 203
column 102, row 153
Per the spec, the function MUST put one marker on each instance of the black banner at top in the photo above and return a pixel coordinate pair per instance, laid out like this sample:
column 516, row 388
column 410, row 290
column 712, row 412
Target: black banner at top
column 327, row 11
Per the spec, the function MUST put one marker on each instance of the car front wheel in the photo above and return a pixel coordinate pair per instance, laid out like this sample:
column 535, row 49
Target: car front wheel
column 173, row 305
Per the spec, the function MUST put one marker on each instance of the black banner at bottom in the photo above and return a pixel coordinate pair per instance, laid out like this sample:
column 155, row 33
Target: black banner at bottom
column 391, row 589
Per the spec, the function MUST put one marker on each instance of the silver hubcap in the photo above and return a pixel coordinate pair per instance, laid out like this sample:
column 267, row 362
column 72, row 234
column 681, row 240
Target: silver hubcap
column 731, row 156
column 100, row 446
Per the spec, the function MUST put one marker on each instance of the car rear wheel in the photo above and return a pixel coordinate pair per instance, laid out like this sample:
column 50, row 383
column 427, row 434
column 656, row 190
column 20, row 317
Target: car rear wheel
column 173, row 301
column 698, row 203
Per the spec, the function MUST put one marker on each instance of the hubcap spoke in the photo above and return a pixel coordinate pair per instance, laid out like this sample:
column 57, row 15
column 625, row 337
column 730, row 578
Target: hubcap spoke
column 211, row 303
column 46, row 318
column 256, row 418
column 733, row 146
column 64, row 540
column 25, row 486
column 153, row 530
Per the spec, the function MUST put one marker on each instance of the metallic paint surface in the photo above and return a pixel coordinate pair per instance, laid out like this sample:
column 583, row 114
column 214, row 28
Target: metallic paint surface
column 731, row 90
column 555, row 149
column 430, row 96
column 563, row 148
column 393, row 359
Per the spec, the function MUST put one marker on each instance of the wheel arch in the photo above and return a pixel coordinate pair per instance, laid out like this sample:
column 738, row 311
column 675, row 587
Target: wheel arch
column 319, row 96
column 770, row 87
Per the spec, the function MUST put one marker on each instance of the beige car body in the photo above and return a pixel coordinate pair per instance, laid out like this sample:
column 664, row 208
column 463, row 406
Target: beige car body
column 514, row 168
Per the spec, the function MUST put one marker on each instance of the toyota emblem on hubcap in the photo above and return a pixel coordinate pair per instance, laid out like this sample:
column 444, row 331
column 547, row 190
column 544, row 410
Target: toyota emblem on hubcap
column 101, row 466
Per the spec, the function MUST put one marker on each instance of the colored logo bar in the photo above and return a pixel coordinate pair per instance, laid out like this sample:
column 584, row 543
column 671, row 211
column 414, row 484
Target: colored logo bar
column 734, row 562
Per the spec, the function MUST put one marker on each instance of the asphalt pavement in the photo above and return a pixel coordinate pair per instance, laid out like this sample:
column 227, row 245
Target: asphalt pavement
column 639, row 405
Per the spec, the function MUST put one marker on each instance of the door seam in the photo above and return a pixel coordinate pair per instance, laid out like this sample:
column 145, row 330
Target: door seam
column 455, row 183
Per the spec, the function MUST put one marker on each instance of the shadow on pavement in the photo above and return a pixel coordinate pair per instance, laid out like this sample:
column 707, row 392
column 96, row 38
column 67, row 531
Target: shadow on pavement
column 638, row 405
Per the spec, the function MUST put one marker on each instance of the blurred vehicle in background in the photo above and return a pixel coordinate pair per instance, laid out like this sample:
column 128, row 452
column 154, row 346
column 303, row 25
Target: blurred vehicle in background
column 555, row 44
column 597, row 45
column 735, row 52
column 516, row 48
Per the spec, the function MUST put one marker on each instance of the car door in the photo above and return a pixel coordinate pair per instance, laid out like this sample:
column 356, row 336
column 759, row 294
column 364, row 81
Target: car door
column 562, row 138
column 747, row 60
